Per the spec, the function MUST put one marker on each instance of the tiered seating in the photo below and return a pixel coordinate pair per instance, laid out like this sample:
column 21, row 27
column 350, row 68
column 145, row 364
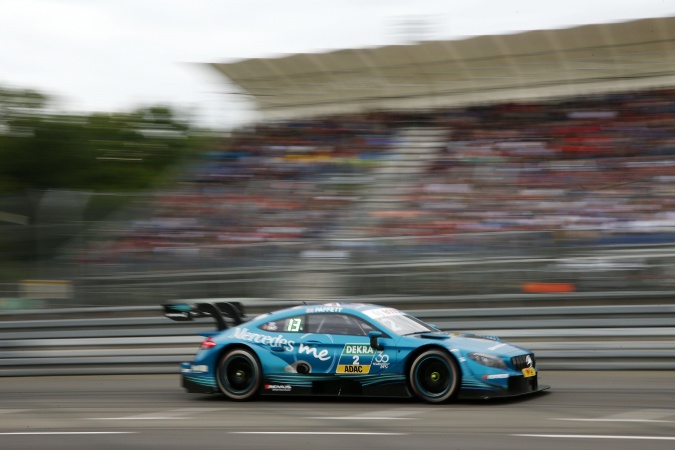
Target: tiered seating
column 591, row 168
column 598, row 167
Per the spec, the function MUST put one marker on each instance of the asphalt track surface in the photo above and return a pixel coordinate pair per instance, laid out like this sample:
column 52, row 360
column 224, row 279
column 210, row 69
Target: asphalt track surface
column 583, row 410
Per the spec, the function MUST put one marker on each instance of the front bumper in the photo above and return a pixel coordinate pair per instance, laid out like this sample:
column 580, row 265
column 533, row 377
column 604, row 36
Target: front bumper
column 517, row 385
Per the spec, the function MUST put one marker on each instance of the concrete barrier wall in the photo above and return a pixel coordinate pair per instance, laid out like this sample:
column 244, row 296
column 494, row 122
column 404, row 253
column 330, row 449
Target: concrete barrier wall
column 138, row 340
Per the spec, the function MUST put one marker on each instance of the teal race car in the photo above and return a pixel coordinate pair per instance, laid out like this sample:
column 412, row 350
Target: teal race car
column 348, row 349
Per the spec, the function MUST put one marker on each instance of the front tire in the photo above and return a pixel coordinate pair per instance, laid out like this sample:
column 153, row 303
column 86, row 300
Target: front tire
column 239, row 375
column 434, row 377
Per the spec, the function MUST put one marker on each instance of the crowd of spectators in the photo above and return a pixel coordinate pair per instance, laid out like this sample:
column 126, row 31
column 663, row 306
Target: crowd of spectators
column 591, row 167
column 270, row 182
column 594, row 167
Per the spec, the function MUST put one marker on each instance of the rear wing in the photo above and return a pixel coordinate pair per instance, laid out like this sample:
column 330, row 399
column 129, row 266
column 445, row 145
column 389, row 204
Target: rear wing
column 184, row 312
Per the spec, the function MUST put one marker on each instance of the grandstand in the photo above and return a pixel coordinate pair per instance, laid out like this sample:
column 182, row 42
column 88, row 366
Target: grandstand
column 469, row 166
column 519, row 67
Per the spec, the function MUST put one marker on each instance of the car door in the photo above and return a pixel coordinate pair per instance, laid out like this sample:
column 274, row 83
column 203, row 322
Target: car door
column 344, row 339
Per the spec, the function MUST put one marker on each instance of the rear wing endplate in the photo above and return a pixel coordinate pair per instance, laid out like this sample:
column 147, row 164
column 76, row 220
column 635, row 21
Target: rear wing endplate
column 185, row 312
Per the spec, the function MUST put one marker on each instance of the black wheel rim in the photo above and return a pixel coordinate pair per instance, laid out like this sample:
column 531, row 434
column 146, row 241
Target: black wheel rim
column 239, row 375
column 433, row 376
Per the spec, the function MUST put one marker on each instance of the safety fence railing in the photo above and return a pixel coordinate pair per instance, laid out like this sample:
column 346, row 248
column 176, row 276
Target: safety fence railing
column 479, row 263
column 291, row 272
column 139, row 340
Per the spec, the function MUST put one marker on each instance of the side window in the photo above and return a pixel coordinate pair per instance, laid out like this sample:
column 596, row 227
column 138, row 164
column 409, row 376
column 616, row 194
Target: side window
column 294, row 324
column 337, row 324
column 365, row 326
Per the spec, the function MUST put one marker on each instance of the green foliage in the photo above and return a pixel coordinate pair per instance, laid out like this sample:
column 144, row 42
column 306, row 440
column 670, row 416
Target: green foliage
column 122, row 152
column 113, row 155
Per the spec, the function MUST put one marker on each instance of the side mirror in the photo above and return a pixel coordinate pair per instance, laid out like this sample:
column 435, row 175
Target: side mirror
column 374, row 335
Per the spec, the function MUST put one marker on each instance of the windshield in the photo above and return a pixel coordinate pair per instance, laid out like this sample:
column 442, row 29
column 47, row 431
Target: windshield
column 398, row 322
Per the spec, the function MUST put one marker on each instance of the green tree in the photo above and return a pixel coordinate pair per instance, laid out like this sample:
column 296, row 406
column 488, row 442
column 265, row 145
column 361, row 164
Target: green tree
column 100, row 152
column 41, row 149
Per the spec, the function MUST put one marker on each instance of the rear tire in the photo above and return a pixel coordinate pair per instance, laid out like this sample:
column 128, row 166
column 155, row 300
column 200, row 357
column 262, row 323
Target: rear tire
column 434, row 377
column 239, row 375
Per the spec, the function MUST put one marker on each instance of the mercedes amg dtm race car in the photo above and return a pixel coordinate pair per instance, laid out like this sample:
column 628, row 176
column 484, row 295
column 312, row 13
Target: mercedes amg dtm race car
column 348, row 350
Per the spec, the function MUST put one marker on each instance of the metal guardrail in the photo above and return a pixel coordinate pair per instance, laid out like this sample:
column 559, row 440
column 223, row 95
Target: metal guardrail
column 138, row 340
column 369, row 267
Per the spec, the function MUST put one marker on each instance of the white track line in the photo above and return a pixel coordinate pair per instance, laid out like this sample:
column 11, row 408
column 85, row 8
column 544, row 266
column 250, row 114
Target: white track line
column 389, row 414
column 617, row 420
column 173, row 414
column 51, row 433
column 597, row 436
column 320, row 433
column 636, row 416
column 362, row 418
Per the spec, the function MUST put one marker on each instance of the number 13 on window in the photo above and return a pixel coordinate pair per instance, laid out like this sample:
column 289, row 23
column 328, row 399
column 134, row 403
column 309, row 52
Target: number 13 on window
column 293, row 325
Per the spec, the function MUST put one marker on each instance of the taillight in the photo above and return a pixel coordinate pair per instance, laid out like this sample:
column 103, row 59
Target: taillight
column 207, row 344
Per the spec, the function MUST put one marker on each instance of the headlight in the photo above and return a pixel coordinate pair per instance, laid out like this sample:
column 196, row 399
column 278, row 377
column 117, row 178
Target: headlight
column 487, row 360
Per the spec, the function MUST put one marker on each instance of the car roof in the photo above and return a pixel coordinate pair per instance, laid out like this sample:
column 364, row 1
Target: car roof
column 333, row 307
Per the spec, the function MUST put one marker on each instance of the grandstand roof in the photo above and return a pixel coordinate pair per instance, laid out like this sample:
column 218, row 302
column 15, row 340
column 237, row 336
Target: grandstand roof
column 529, row 65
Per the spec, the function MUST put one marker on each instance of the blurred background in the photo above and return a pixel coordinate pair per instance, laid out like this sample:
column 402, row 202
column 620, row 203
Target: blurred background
column 419, row 163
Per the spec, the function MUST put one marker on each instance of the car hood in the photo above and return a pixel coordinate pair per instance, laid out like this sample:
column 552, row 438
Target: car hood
column 473, row 343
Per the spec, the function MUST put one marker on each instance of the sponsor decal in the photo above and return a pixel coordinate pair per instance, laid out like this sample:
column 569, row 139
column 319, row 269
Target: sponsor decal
column 351, row 368
column 529, row 372
column 274, row 341
column 382, row 312
column 324, row 309
column 194, row 369
column 495, row 347
column 357, row 359
column 358, row 349
column 496, row 376
column 272, row 326
column 278, row 387
column 491, row 338
column 312, row 351
column 381, row 360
